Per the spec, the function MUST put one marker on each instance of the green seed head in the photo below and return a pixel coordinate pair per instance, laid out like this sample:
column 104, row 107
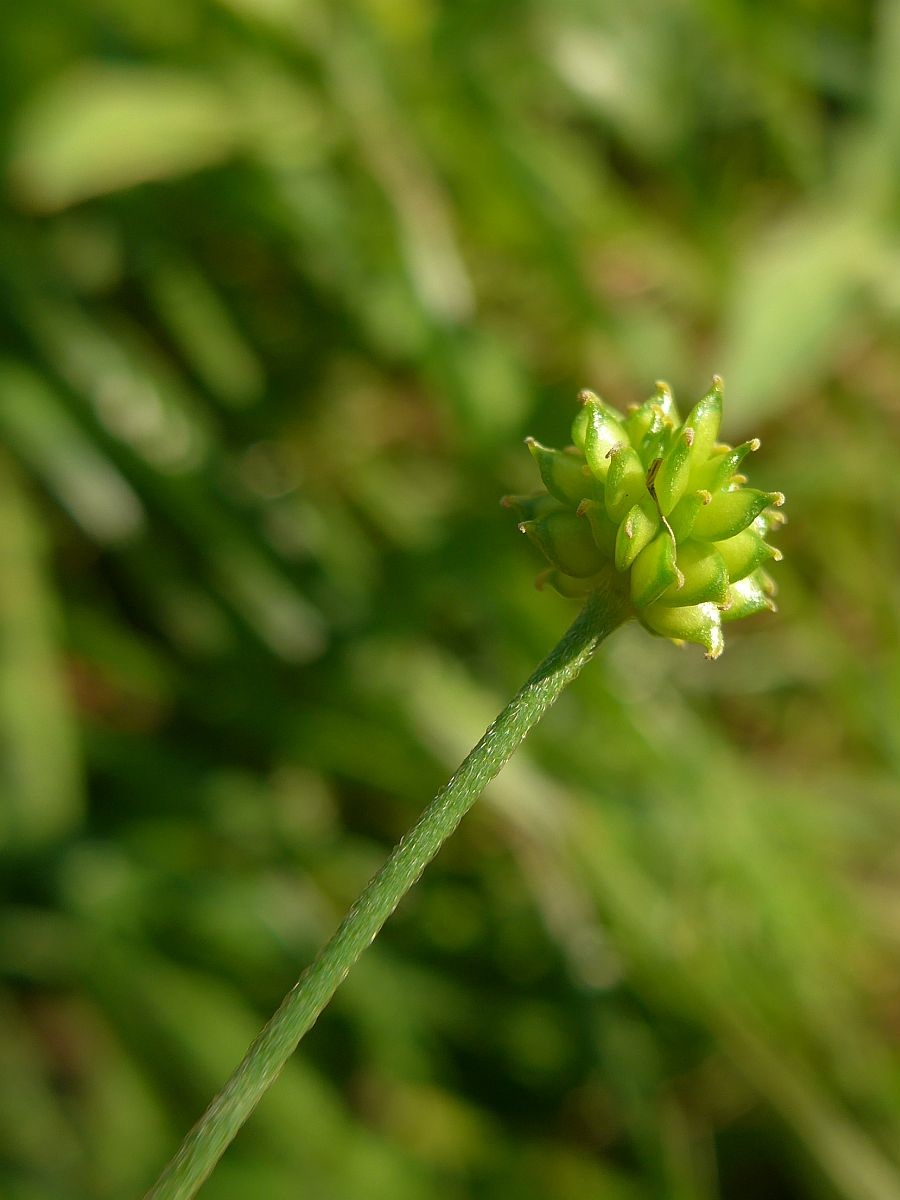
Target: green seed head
column 658, row 505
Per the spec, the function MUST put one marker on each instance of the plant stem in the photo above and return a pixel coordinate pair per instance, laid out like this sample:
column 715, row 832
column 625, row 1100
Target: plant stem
column 603, row 612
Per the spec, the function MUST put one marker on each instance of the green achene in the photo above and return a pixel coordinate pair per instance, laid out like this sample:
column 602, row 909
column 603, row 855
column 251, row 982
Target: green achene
column 658, row 503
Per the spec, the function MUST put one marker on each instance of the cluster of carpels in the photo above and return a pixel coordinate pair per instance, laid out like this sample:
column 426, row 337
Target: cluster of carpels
column 659, row 506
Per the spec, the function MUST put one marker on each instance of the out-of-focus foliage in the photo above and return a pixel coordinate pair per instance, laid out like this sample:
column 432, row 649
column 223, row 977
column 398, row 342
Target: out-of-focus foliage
column 283, row 284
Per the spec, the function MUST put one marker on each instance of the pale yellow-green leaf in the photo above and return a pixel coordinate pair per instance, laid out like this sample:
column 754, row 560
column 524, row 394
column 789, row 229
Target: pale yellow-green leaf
column 99, row 129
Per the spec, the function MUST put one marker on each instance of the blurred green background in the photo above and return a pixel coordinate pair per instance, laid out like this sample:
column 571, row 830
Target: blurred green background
column 284, row 283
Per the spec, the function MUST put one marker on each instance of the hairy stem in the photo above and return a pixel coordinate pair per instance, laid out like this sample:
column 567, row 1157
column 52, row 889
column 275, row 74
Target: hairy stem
column 603, row 612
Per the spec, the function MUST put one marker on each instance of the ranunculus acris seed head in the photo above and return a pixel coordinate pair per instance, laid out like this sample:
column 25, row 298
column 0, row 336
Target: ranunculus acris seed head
column 659, row 504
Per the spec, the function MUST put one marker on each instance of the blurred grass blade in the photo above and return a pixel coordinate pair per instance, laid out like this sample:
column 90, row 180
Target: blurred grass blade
column 132, row 390
column 45, row 437
column 32, row 1111
column 202, row 326
column 276, row 611
column 423, row 217
column 40, row 771
column 792, row 296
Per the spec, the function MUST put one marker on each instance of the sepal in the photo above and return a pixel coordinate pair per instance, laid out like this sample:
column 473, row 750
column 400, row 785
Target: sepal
column 704, row 576
column 563, row 473
column 566, row 542
column 647, row 419
column 602, row 435
column 588, row 398
column 602, row 529
column 568, row 585
column 654, row 570
column 744, row 552
column 625, row 483
column 705, row 418
column 528, row 508
column 672, row 476
column 730, row 512
column 681, row 520
column 636, row 531
column 719, row 469
column 749, row 596
column 700, row 624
